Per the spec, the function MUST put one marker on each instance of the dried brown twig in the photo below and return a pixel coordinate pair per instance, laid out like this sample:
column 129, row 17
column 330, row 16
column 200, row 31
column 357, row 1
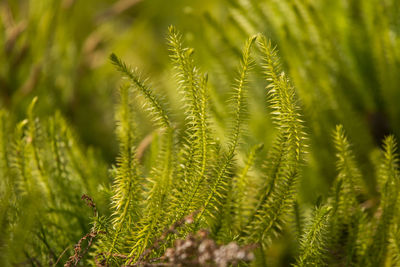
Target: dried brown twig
column 78, row 252
column 170, row 230
column 89, row 201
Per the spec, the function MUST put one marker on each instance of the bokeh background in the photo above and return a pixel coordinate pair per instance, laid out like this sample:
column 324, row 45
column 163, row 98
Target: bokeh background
column 343, row 58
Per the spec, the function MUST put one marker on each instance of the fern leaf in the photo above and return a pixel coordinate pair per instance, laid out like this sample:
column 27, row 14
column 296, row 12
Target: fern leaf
column 347, row 225
column 221, row 183
column 241, row 186
column 35, row 137
column 278, row 193
column 349, row 175
column 394, row 245
column 194, row 154
column 153, row 220
column 154, row 106
column 313, row 243
column 188, row 77
column 377, row 251
column 127, row 183
column 19, row 160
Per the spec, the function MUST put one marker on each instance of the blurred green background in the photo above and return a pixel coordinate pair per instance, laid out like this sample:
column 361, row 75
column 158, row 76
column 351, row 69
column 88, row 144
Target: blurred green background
column 58, row 51
column 343, row 57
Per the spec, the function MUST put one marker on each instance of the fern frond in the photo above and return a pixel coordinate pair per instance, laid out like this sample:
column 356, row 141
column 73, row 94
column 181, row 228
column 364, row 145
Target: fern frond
column 188, row 76
column 278, row 193
column 37, row 143
column 313, row 244
column 271, row 212
column 282, row 99
column 194, row 153
column 349, row 176
column 389, row 172
column 57, row 142
column 271, row 65
column 154, row 106
column 200, row 155
column 240, row 93
column 156, row 212
column 127, row 182
column 241, row 188
column 347, row 224
column 394, row 245
column 221, row 182
column 19, row 160
column 298, row 220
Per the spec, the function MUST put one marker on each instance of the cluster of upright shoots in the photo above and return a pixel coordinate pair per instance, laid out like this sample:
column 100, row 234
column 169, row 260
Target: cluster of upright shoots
column 194, row 181
column 198, row 173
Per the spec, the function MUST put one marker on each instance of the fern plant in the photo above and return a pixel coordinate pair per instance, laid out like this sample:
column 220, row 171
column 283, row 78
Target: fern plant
column 180, row 196
column 45, row 171
column 201, row 177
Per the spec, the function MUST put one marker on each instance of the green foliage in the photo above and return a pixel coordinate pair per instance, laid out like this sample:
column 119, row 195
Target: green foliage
column 346, row 189
column 245, row 172
column 313, row 242
column 389, row 178
column 282, row 166
column 44, row 173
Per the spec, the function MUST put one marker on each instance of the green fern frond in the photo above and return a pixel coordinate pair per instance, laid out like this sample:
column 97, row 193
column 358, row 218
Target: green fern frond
column 271, row 65
column 272, row 166
column 298, row 220
column 37, row 143
column 153, row 104
column 389, row 172
column 19, row 160
column 127, row 182
column 347, row 223
column 271, row 212
column 313, row 244
column 154, row 218
column 242, row 201
column 240, row 93
column 58, row 148
column 200, row 153
column 221, row 181
column 276, row 196
column 349, row 176
column 194, row 156
column 282, row 99
column 188, row 76
column 394, row 245
column 159, row 183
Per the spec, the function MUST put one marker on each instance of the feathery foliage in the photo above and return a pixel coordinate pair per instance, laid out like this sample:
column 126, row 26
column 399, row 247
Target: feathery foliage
column 313, row 242
column 389, row 178
column 199, row 168
column 45, row 173
column 278, row 191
